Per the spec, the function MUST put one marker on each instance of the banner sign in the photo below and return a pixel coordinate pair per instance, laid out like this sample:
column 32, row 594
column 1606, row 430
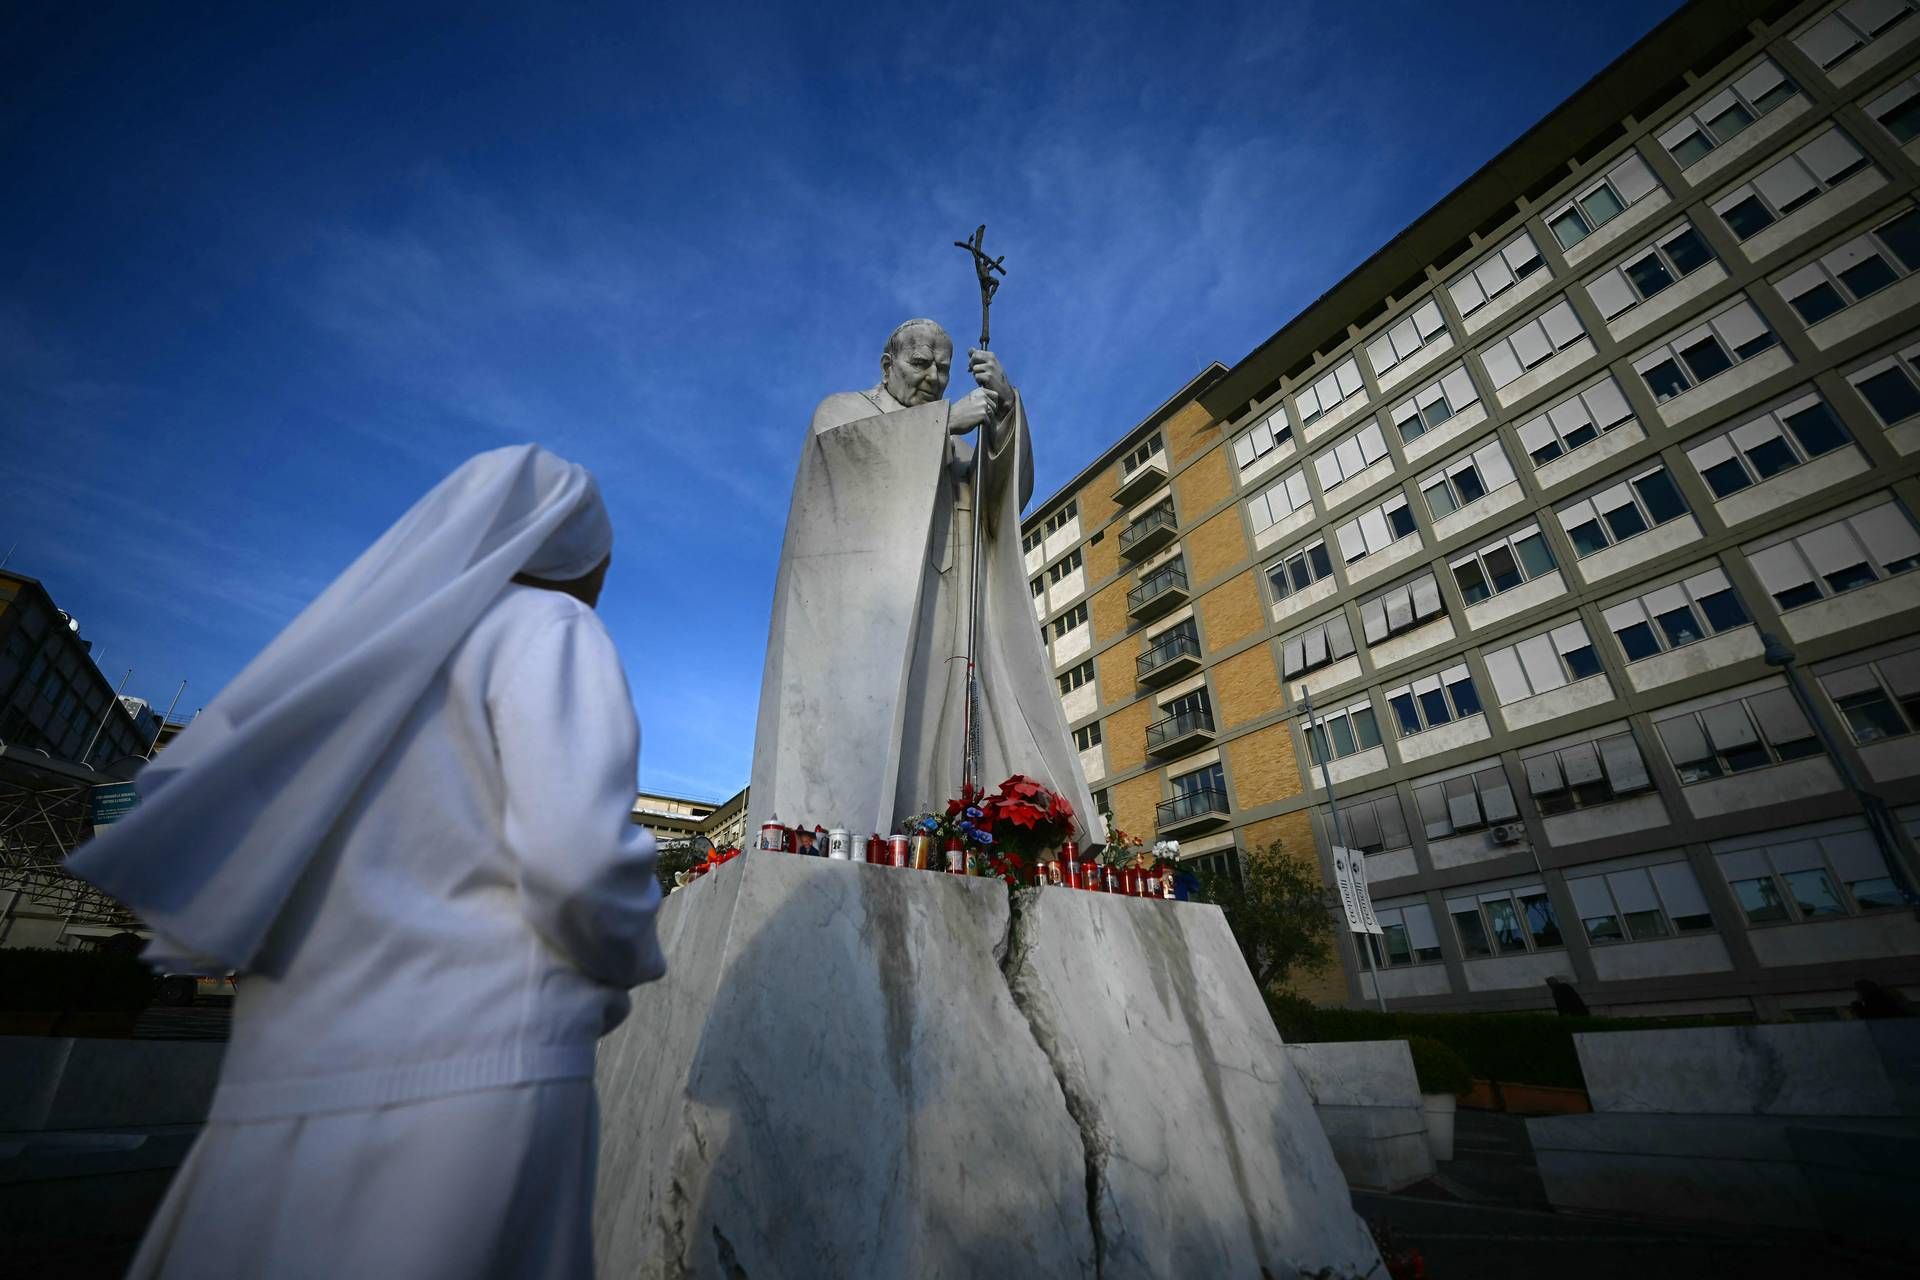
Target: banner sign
column 1350, row 878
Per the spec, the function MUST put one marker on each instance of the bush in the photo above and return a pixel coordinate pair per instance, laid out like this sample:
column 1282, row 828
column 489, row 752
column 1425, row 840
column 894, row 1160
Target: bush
column 42, row 980
column 1438, row 1068
column 1508, row 1048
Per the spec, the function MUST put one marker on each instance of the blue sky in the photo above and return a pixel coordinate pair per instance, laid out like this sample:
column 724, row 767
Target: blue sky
column 268, row 277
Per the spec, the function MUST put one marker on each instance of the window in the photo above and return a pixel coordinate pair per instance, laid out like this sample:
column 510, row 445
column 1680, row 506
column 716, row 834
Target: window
column 1830, row 870
column 1677, row 253
column 1434, row 403
column 1794, row 180
column 1850, row 28
column 1061, row 518
column 1836, row 558
column 1735, row 334
column 1323, row 643
column 1780, row 439
column 1408, row 336
column 1891, row 386
column 1300, row 569
column 1466, row 803
column 1406, row 937
column 1533, row 343
column 1350, row 457
column 1031, row 539
column 1603, row 201
column 1087, row 737
column 1402, row 608
column 1342, row 733
column 1726, row 114
column 1180, row 639
column 1210, row 780
column 1278, row 501
column 1878, row 699
column 1621, row 511
column 1038, row 586
column 1077, row 677
column 1326, row 392
column 1432, row 701
column 1494, row 274
column 1731, row 737
column 1472, row 477
column 1581, row 418
column 1676, row 615
column 1141, row 455
column 1373, row 824
column 1898, row 110
column 1860, row 268
column 1520, row 556
column 1586, row 774
column 1252, row 445
column 1375, row 529
column 1640, row 903
column 1505, row 922
column 1067, row 564
column 1074, row 617
column 1551, row 660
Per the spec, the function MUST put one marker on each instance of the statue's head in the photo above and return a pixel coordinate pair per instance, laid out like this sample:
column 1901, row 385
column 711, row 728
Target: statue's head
column 916, row 362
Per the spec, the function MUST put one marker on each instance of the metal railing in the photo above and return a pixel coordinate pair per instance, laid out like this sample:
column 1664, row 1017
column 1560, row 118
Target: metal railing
column 1175, row 727
column 1170, row 578
column 1179, row 645
column 1161, row 517
column 1195, row 804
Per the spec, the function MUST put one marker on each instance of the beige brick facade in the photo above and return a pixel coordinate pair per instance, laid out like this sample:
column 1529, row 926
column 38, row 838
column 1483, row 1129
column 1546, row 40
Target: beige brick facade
column 1295, row 832
column 1133, row 803
column 1190, row 431
column 1215, row 547
column 1262, row 768
column 1109, row 609
column 1102, row 557
column 1117, row 672
column 1245, row 687
column 1204, row 485
column 1230, row 612
column 1126, row 735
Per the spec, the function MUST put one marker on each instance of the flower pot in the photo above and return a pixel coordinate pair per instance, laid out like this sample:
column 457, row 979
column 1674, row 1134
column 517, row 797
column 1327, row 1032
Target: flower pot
column 1439, row 1109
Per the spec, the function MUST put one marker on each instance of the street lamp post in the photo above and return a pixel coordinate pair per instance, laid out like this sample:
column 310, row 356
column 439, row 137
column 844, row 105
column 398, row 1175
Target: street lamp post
column 1879, row 821
column 1363, row 942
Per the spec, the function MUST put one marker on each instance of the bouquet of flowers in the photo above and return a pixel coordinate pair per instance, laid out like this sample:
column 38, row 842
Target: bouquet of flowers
column 715, row 859
column 1122, row 847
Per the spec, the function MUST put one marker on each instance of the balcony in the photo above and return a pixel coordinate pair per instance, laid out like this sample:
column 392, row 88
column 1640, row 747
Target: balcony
column 1163, row 589
column 1195, row 811
column 1180, row 733
column 1175, row 656
column 1142, row 480
column 1149, row 533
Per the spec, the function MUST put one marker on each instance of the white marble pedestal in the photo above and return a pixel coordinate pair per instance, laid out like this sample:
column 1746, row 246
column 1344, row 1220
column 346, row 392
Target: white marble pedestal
column 854, row 1070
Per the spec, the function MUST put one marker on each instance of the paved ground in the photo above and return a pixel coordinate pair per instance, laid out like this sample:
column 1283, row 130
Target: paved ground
column 1484, row 1217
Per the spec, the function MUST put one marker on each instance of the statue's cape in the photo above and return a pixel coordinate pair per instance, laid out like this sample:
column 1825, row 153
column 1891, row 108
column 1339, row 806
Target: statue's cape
column 860, row 711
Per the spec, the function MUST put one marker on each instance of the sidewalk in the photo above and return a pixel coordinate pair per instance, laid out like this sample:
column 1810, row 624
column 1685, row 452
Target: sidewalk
column 1484, row 1216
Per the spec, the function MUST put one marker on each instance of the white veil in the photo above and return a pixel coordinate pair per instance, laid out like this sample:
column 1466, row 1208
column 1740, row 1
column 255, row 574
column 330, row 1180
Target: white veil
column 231, row 813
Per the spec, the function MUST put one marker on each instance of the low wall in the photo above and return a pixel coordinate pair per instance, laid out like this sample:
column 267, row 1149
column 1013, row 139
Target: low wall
column 1367, row 1097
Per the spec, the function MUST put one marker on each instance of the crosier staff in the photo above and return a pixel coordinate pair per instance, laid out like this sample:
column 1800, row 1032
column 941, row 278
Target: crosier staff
column 983, row 268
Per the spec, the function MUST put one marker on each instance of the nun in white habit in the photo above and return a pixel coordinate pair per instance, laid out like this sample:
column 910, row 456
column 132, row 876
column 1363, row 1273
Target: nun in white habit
column 407, row 824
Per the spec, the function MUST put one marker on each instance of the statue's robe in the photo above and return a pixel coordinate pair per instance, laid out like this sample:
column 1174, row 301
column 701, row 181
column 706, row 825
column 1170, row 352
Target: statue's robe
column 863, row 698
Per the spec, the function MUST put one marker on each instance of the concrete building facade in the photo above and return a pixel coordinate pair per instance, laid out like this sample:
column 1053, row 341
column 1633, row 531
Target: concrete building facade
column 1515, row 504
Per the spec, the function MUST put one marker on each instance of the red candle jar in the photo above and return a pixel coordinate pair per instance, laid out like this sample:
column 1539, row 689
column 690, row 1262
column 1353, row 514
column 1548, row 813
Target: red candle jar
column 1071, row 867
column 956, row 856
column 1090, row 877
column 1130, row 881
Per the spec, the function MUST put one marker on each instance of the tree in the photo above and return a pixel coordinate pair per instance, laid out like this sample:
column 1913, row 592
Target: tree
column 1280, row 914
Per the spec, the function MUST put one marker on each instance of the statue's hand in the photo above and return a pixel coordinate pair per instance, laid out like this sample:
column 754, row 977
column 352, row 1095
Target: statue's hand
column 988, row 373
column 970, row 410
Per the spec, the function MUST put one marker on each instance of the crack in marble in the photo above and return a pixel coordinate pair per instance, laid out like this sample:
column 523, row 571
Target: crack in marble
column 1013, row 953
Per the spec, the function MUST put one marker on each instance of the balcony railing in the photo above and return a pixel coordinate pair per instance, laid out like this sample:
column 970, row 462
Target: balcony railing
column 1195, row 809
column 1149, row 533
column 1143, row 479
column 1178, row 732
column 1158, row 591
column 1174, row 656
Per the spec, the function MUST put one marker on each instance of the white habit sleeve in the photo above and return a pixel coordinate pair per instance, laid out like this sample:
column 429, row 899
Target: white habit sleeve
column 569, row 747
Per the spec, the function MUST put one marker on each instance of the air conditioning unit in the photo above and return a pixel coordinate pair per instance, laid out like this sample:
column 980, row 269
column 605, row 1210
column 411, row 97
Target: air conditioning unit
column 1507, row 833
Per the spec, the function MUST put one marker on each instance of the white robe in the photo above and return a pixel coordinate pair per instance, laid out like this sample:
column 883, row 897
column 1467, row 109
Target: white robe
column 862, row 699
column 411, row 1063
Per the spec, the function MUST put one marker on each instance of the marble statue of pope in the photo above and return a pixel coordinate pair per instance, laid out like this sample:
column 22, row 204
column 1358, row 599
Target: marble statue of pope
column 862, row 700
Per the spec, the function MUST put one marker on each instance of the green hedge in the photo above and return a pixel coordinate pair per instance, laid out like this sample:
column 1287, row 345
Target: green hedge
column 1508, row 1048
column 42, row 980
